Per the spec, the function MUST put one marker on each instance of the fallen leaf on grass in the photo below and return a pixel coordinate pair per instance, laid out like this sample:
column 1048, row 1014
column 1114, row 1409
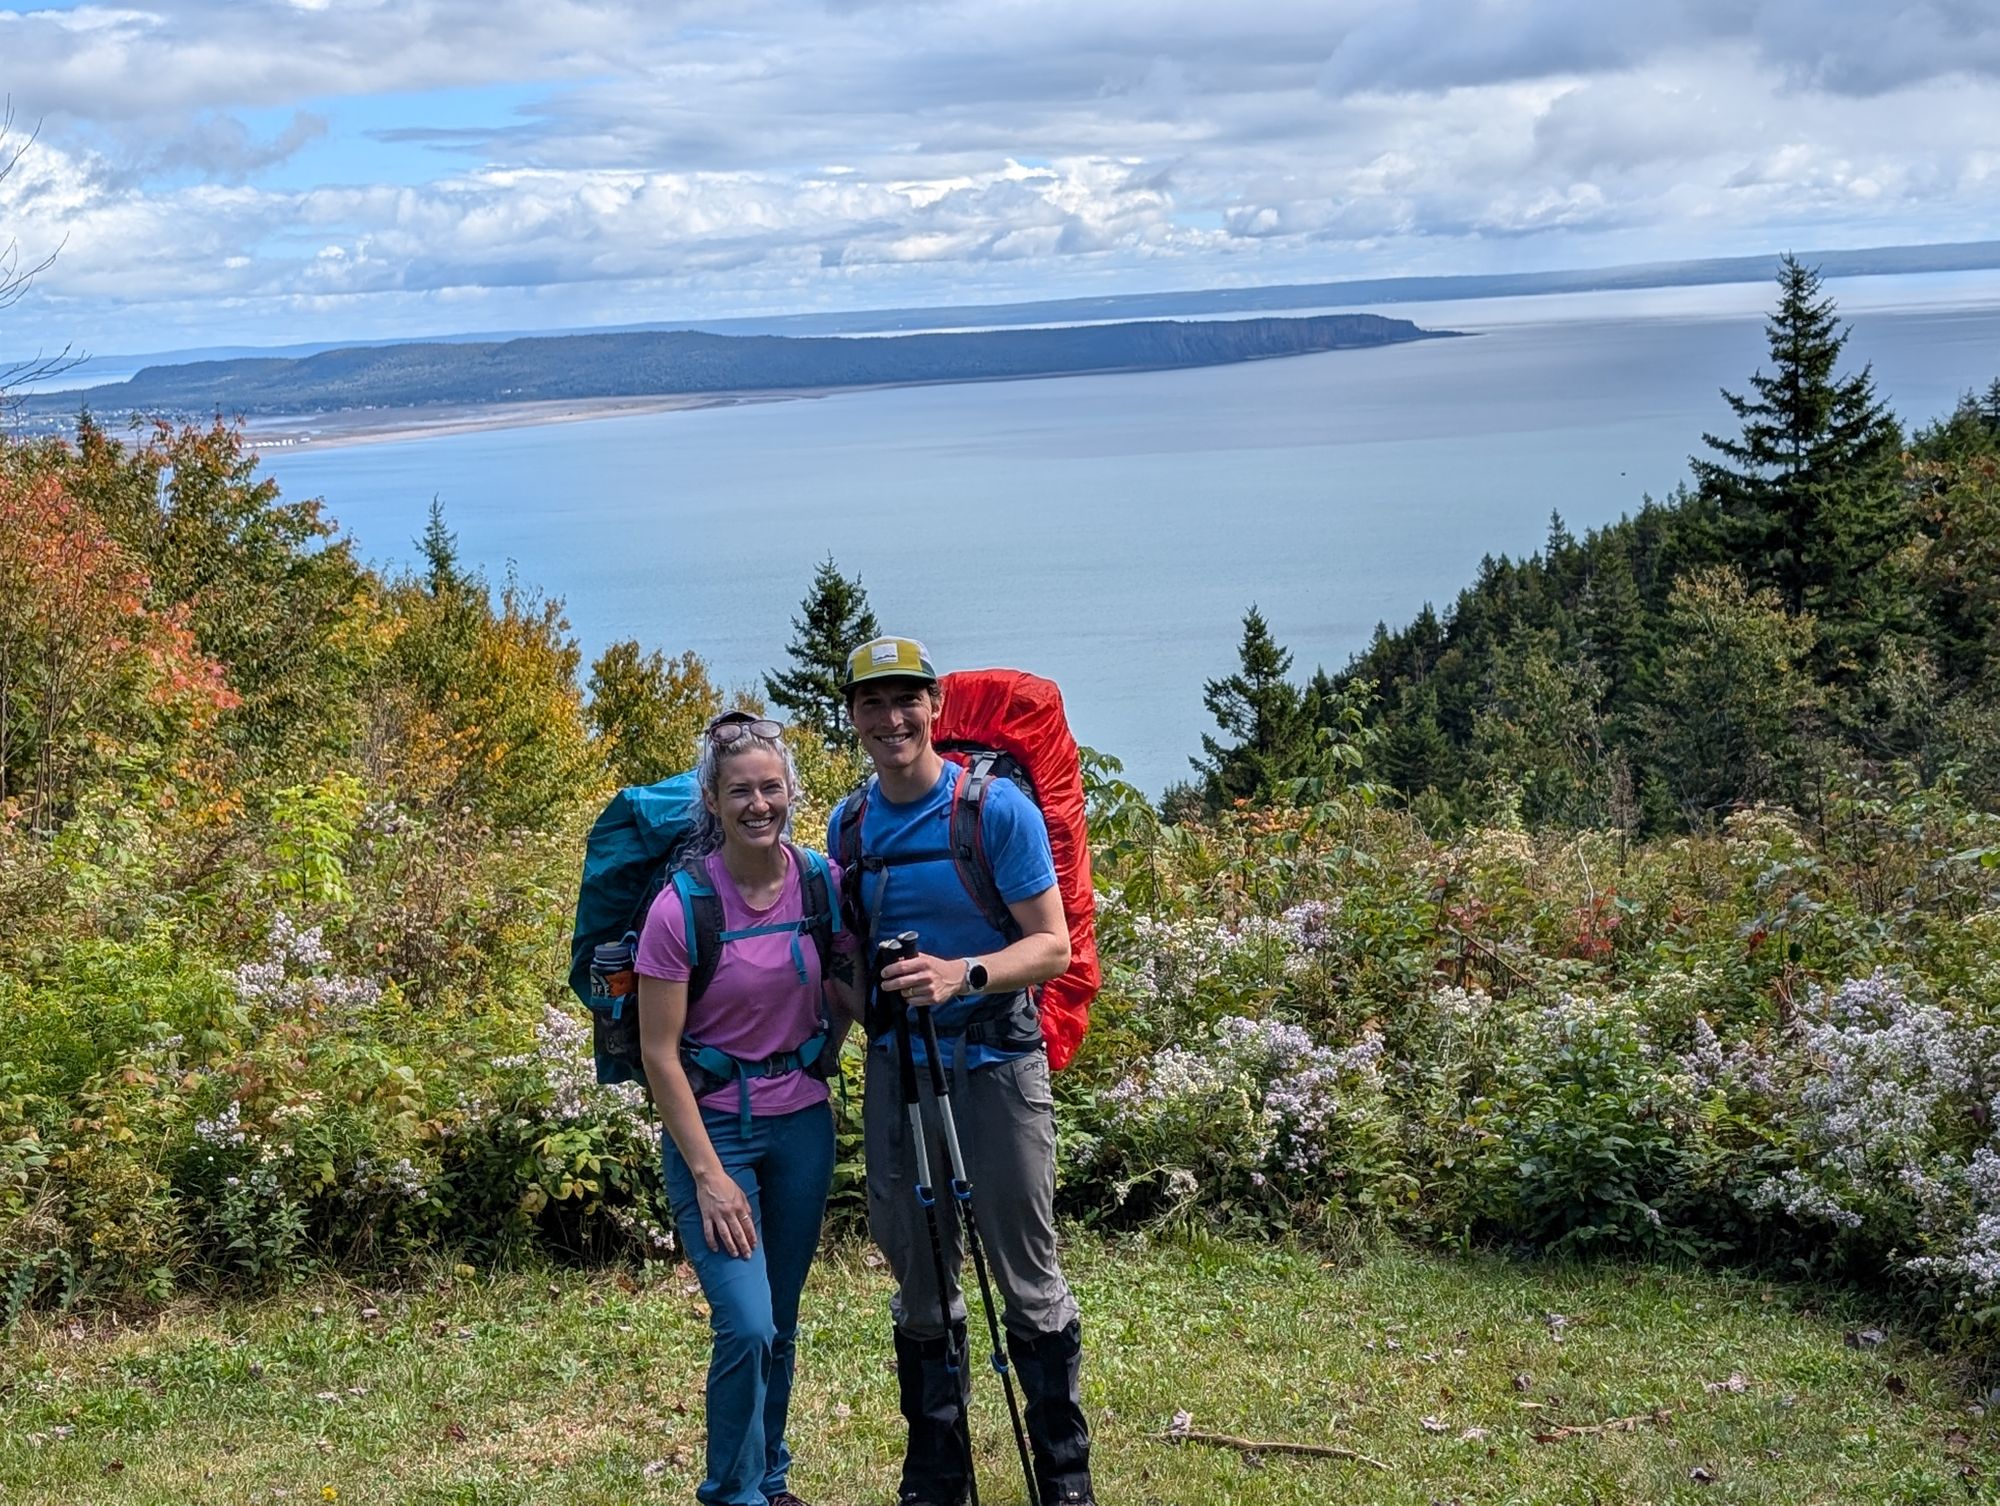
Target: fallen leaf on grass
column 1434, row 1425
column 1183, row 1420
column 1735, row 1385
column 1473, row 1435
column 1866, row 1338
column 1524, row 1382
column 1702, row 1476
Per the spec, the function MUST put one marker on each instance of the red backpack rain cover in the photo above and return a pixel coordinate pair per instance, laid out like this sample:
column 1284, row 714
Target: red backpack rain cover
column 1021, row 715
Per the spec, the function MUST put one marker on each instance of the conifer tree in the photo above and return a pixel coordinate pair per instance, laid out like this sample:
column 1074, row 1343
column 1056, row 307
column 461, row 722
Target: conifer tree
column 443, row 574
column 1267, row 715
column 1809, row 493
column 834, row 619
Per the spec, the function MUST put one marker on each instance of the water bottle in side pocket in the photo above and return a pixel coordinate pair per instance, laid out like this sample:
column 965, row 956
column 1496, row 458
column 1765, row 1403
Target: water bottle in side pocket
column 614, row 1010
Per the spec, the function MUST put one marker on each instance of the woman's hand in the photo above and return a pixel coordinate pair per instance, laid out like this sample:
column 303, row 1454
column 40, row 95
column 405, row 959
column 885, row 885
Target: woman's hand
column 725, row 1214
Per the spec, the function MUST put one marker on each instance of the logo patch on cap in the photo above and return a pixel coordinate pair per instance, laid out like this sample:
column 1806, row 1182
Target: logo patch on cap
column 888, row 651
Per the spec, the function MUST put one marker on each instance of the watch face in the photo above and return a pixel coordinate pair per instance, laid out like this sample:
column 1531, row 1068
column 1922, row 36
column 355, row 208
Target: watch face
column 975, row 976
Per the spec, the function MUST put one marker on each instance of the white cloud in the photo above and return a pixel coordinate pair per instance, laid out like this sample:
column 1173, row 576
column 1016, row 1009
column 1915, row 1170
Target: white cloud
column 703, row 157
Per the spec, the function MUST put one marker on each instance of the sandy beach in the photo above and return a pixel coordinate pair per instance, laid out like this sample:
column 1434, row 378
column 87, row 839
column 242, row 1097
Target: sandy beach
column 352, row 426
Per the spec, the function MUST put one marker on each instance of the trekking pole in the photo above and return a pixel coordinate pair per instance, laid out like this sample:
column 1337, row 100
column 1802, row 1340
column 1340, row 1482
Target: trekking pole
column 961, row 1190
column 901, row 948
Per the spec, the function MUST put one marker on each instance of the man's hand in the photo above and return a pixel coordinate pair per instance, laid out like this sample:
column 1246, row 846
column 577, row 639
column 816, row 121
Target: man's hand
column 925, row 980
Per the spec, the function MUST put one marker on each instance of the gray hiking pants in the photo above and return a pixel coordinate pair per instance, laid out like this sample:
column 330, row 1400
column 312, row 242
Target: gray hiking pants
column 1007, row 1130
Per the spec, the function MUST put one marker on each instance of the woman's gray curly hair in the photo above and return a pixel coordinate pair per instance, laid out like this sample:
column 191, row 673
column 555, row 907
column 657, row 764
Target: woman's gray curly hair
column 708, row 768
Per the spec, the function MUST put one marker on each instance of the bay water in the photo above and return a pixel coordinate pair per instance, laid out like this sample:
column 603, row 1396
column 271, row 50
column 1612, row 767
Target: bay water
column 1110, row 531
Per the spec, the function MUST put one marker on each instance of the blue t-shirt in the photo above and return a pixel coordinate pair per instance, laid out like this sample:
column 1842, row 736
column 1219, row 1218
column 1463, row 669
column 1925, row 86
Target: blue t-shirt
column 928, row 898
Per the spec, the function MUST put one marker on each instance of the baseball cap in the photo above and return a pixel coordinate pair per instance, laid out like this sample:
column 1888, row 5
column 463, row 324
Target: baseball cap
column 889, row 659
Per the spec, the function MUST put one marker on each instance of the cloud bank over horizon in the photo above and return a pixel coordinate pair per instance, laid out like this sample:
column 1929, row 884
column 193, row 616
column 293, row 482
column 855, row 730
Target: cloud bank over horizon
column 260, row 172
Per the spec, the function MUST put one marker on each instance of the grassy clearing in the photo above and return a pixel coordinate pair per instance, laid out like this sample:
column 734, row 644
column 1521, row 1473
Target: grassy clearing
column 582, row 1388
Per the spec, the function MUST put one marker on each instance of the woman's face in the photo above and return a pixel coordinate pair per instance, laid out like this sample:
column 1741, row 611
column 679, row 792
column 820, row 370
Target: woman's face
column 751, row 798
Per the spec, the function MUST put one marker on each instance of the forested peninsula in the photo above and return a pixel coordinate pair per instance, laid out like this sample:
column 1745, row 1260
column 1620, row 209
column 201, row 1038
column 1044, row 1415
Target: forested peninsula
column 589, row 366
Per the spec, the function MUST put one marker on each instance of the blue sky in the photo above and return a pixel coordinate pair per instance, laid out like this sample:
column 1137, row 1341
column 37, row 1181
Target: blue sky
column 272, row 171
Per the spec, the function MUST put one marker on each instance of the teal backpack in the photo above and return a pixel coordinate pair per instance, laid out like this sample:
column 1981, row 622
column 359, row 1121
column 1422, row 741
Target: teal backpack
column 635, row 849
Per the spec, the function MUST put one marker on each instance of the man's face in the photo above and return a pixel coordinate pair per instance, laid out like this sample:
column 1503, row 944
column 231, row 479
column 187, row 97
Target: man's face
column 893, row 719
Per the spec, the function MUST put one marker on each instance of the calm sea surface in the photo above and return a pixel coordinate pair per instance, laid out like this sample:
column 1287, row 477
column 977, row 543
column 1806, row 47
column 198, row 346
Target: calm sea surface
column 1111, row 531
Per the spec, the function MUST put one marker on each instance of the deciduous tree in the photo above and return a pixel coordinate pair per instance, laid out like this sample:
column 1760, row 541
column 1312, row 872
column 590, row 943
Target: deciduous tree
column 89, row 672
column 649, row 710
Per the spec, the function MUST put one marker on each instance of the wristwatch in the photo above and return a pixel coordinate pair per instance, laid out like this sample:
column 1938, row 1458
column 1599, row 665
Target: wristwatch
column 975, row 976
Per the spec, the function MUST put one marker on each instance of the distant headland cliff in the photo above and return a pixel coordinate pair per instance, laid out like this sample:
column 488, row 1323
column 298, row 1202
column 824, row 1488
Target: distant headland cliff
column 569, row 368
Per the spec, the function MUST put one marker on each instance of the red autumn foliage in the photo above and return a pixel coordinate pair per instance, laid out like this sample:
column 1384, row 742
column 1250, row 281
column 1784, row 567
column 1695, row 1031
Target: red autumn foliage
column 86, row 668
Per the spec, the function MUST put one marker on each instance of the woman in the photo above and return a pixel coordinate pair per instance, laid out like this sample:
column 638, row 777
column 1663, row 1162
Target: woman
column 748, row 1149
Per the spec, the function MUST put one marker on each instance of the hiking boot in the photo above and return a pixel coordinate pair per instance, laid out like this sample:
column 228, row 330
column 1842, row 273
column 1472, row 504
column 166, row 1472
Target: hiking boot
column 932, row 1386
column 783, row 1498
column 1048, row 1366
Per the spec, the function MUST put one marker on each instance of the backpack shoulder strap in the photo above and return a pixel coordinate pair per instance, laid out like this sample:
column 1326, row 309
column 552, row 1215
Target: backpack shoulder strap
column 701, row 922
column 847, row 848
column 819, row 906
column 968, row 844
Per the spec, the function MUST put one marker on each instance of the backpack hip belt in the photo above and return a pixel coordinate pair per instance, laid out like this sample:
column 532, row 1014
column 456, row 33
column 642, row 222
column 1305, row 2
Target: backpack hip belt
column 1003, row 1021
column 709, row 1069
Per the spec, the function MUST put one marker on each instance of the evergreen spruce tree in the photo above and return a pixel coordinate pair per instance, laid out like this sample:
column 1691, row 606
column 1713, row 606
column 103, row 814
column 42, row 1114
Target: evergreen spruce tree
column 1415, row 754
column 834, row 619
column 1611, row 620
column 1809, row 493
column 1267, row 715
column 443, row 575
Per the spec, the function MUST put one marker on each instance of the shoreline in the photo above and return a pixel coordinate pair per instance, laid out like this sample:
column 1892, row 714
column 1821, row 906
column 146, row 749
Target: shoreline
column 356, row 426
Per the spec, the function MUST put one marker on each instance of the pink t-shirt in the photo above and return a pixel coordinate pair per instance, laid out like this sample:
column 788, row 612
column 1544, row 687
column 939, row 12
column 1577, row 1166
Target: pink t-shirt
column 755, row 1006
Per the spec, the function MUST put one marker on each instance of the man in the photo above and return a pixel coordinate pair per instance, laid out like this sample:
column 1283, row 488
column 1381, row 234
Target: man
column 977, row 980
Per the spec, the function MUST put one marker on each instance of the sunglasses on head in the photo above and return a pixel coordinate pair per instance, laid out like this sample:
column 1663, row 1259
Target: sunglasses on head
column 723, row 734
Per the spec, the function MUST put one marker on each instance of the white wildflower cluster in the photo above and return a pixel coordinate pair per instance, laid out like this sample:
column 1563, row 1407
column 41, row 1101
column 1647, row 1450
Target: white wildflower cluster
column 1889, row 1067
column 1184, row 959
column 1972, row 1258
column 1882, row 1116
column 1548, row 1031
column 225, row 1129
column 562, row 1057
column 1291, row 1089
column 1462, row 1007
column 1490, row 847
column 1803, row 1199
column 1759, row 832
column 258, row 1182
column 652, row 1240
column 1710, row 1068
column 399, row 1180
column 287, row 976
